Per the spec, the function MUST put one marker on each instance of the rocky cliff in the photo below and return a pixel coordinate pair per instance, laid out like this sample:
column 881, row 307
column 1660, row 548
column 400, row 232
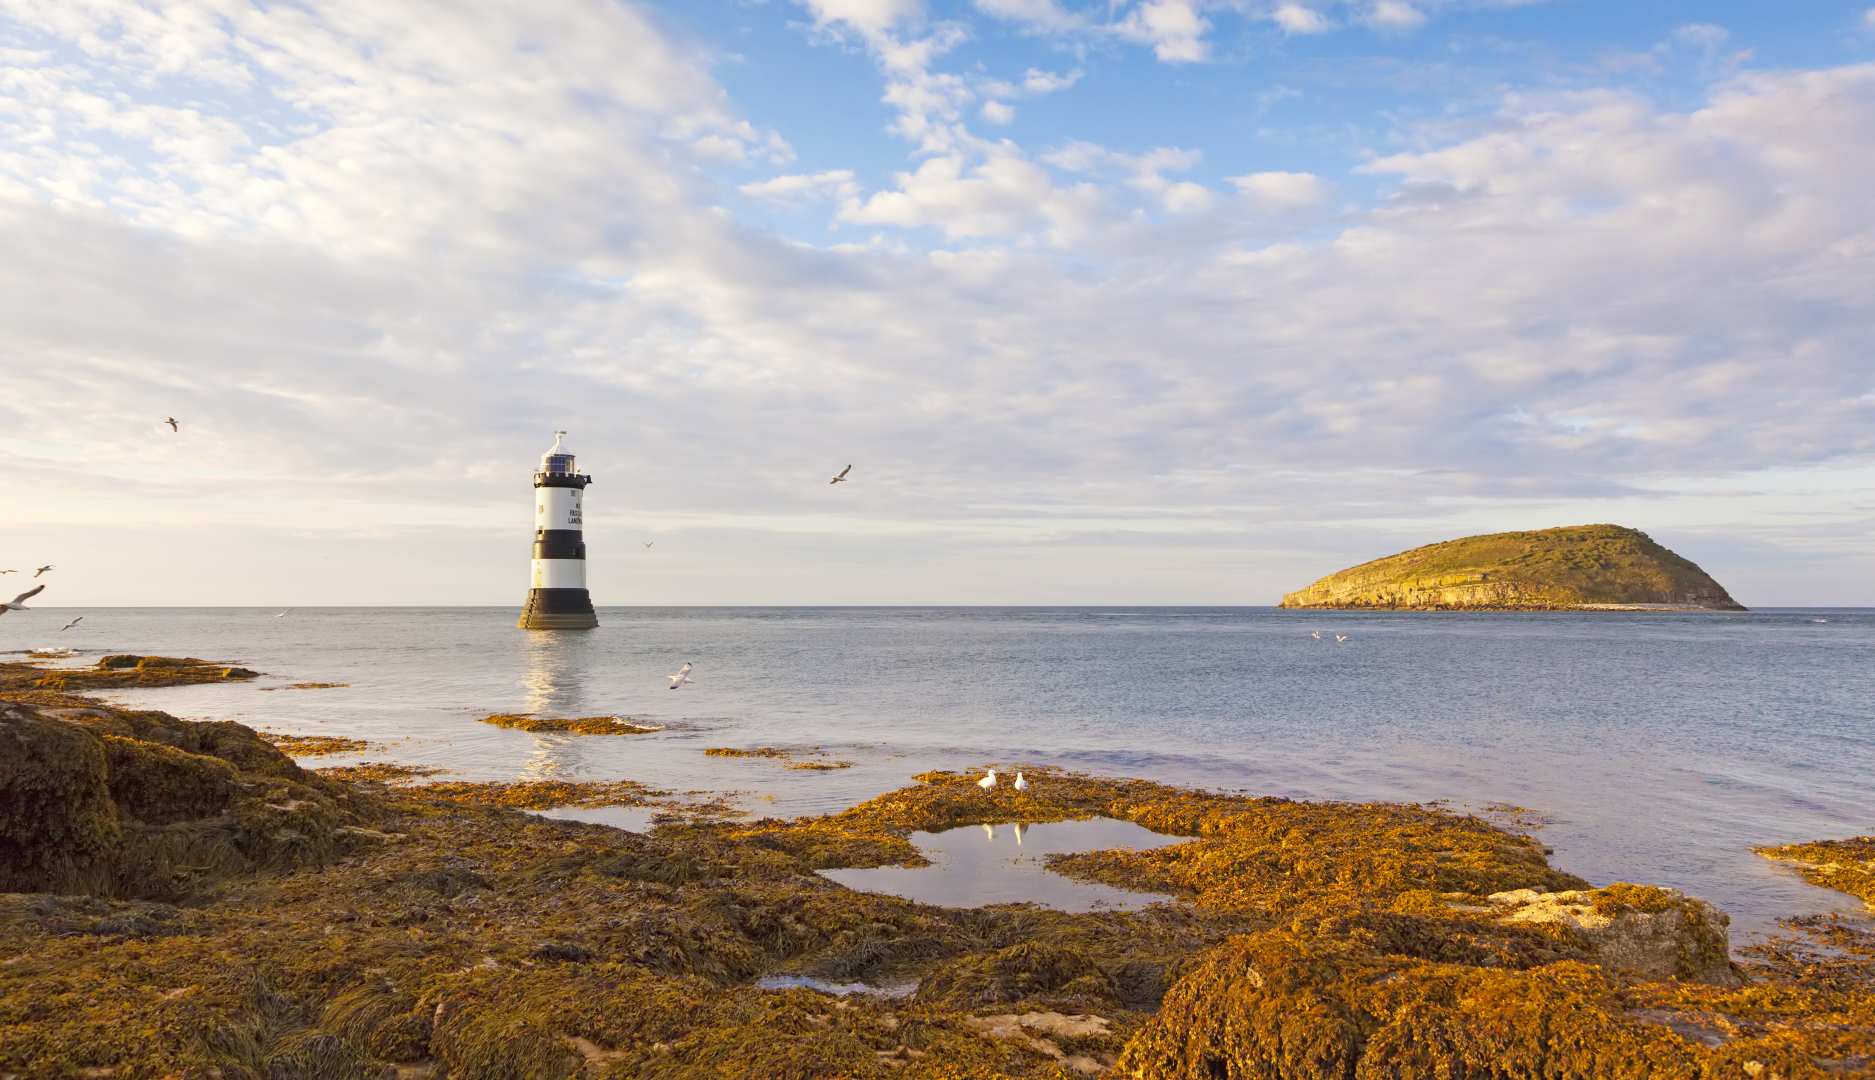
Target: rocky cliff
column 1578, row 566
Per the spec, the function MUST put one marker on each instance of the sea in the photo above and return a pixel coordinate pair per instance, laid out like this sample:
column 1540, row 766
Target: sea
column 1639, row 746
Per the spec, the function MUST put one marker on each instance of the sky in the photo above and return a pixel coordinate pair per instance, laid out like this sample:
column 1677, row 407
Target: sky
column 1106, row 301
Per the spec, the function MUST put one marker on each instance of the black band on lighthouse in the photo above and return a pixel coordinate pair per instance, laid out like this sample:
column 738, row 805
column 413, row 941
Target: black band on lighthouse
column 559, row 601
column 559, row 544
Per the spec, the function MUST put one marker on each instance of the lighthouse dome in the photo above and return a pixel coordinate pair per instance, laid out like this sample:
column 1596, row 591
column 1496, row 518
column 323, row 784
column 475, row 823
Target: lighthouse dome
column 558, row 461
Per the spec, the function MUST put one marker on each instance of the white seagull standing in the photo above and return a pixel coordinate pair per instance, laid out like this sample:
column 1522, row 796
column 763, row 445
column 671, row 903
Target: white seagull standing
column 1340, row 638
column 681, row 677
column 18, row 603
column 71, row 624
column 988, row 781
column 1316, row 634
column 1021, row 784
column 841, row 479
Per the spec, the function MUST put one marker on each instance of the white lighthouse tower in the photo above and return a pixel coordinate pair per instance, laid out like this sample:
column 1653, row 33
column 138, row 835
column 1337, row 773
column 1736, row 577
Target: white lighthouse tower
column 558, row 599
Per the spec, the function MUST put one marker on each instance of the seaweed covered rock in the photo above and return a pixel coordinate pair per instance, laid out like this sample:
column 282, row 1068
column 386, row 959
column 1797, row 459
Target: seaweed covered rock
column 1845, row 865
column 58, row 825
column 1641, row 929
column 112, row 802
column 120, row 670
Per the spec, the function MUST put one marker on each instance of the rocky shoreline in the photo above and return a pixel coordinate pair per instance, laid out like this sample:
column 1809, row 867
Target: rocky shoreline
column 185, row 900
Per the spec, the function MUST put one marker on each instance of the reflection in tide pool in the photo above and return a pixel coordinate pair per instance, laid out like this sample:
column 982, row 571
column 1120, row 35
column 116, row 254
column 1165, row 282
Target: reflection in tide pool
column 978, row 865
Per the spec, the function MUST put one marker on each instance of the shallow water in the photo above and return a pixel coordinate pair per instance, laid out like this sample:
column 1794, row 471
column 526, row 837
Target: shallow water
column 979, row 865
column 837, row 989
column 1662, row 747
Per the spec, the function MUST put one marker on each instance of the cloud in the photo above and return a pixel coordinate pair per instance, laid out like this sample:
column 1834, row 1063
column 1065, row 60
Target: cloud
column 998, row 113
column 1282, row 190
column 1300, row 19
column 1038, row 81
column 1394, row 15
column 866, row 16
column 371, row 268
column 1173, row 28
column 834, row 183
column 1047, row 15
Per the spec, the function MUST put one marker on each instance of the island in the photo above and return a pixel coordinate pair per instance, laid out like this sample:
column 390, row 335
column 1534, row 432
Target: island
column 1577, row 567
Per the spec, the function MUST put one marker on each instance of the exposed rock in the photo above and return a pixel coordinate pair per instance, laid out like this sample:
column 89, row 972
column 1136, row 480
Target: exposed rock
column 1650, row 932
column 1579, row 566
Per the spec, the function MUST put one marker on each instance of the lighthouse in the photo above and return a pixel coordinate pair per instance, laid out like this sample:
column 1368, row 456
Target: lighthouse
column 557, row 599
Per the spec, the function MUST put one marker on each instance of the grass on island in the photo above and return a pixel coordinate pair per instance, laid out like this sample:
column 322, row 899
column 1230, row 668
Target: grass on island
column 340, row 929
column 792, row 758
column 1580, row 565
column 583, row 725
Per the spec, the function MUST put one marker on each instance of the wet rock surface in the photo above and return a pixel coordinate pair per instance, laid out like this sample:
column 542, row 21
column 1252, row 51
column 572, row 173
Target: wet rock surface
column 303, row 926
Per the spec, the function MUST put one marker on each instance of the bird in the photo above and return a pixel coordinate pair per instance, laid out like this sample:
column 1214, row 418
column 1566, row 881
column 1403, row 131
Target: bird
column 1340, row 638
column 18, row 603
column 1021, row 784
column 988, row 781
column 648, row 543
column 841, row 479
column 1316, row 634
column 282, row 614
column 681, row 677
column 9, row 571
column 171, row 421
column 42, row 569
column 71, row 624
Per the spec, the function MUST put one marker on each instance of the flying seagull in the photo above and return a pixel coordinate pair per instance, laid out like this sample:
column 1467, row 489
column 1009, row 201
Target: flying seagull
column 1021, row 784
column 71, row 624
column 681, row 677
column 171, row 421
column 282, row 615
column 18, row 603
column 841, row 479
column 1339, row 638
column 9, row 571
column 42, row 569
column 648, row 543
column 988, row 781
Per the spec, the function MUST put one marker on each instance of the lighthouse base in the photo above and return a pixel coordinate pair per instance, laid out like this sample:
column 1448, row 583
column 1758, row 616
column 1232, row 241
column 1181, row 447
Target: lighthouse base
column 558, row 609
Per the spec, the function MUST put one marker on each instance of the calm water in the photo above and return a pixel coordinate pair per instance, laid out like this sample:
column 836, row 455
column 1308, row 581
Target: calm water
column 1660, row 747
column 979, row 865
